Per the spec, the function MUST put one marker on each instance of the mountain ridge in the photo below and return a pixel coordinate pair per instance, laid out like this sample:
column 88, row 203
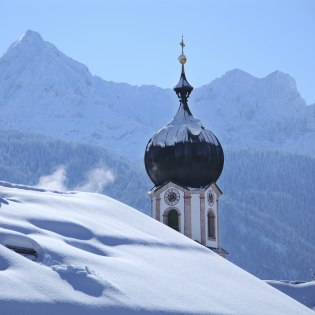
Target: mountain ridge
column 44, row 91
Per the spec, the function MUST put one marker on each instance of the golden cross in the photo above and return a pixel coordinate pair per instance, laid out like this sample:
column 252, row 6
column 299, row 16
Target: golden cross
column 182, row 44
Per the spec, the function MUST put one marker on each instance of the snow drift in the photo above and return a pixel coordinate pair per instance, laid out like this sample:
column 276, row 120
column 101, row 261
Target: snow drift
column 95, row 255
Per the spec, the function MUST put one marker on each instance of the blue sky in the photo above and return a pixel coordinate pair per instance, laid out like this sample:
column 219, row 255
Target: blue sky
column 137, row 41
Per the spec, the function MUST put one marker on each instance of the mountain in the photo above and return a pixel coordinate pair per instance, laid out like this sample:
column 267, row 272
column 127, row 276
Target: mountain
column 44, row 91
column 83, row 253
column 262, row 113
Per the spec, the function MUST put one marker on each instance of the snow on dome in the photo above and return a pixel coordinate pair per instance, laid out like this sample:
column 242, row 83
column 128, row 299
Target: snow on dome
column 184, row 152
column 112, row 259
column 178, row 129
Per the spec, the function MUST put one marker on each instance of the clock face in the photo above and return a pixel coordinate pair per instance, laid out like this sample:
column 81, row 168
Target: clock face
column 171, row 196
column 211, row 198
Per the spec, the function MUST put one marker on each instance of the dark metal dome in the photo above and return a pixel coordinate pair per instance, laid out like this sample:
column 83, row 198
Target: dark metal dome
column 184, row 151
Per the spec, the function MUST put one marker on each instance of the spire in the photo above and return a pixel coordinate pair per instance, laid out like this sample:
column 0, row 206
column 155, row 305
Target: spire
column 183, row 88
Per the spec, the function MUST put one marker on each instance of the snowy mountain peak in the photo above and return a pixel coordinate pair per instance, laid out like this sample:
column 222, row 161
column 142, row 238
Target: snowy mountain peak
column 281, row 79
column 30, row 42
column 46, row 71
column 235, row 80
column 31, row 49
column 238, row 73
column 240, row 79
column 31, row 36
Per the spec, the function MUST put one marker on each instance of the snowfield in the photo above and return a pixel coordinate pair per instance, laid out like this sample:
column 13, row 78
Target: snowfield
column 96, row 255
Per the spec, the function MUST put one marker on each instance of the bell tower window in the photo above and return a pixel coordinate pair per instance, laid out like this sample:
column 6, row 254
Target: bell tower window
column 211, row 225
column 171, row 218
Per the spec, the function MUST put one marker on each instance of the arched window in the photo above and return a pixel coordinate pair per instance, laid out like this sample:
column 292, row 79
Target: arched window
column 173, row 219
column 211, row 224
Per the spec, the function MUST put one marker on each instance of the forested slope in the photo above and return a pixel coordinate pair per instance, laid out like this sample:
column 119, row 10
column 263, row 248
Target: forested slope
column 24, row 158
column 267, row 218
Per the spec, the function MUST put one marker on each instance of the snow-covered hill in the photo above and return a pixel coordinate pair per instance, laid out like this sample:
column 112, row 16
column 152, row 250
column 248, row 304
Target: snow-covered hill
column 44, row 91
column 95, row 255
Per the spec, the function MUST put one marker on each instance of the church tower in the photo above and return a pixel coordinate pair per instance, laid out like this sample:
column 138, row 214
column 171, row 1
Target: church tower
column 184, row 160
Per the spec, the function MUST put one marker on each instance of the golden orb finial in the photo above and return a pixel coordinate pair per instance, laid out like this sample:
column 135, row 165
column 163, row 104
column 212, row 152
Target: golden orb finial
column 182, row 58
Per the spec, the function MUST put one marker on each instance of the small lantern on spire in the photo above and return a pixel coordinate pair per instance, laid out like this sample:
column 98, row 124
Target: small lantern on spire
column 183, row 88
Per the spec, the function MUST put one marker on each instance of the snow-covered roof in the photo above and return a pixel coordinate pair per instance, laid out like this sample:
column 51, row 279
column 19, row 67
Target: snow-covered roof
column 99, row 256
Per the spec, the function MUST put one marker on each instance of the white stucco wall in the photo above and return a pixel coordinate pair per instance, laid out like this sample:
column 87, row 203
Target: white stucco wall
column 195, row 217
column 153, row 207
column 212, row 242
column 195, row 212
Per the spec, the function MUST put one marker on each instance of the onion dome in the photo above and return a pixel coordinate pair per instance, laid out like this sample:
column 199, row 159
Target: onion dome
column 183, row 151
